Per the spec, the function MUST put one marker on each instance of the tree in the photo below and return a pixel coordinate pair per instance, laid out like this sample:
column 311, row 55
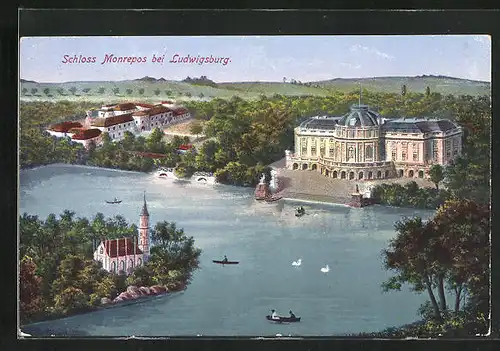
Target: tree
column 414, row 261
column 25, row 91
column 436, row 174
column 173, row 251
column 464, row 227
column 168, row 92
column 46, row 91
column 34, row 91
column 101, row 90
column 201, row 95
column 73, row 90
column 70, row 300
column 29, row 289
column 141, row 276
column 116, row 90
column 284, row 79
column 157, row 91
column 403, row 90
column 86, row 90
column 196, row 129
column 129, row 91
column 427, row 92
column 141, row 91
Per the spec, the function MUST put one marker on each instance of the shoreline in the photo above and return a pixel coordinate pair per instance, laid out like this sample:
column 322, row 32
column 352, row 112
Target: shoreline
column 59, row 164
column 108, row 306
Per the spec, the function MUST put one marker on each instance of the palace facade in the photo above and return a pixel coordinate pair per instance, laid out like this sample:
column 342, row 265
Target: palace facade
column 363, row 145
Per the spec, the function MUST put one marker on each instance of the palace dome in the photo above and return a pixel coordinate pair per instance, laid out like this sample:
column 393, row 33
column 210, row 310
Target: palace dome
column 360, row 116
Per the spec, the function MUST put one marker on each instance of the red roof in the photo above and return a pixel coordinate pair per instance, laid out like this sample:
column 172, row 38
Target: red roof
column 167, row 102
column 144, row 105
column 124, row 107
column 65, row 126
column 110, row 246
column 180, row 111
column 149, row 154
column 185, row 146
column 113, row 120
column 85, row 134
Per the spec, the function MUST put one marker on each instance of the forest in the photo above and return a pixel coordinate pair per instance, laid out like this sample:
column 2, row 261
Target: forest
column 59, row 277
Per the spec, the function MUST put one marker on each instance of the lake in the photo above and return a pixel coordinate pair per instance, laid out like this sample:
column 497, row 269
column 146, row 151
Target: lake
column 265, row 238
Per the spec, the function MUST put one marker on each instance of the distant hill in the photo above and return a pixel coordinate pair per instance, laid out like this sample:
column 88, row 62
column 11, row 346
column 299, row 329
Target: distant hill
column 154, row 89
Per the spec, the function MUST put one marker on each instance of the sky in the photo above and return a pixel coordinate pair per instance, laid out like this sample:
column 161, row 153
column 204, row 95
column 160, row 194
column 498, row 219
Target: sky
column 256, row 58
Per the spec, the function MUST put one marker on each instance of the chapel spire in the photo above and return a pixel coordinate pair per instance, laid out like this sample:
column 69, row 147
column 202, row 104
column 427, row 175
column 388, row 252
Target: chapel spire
column 144, row 211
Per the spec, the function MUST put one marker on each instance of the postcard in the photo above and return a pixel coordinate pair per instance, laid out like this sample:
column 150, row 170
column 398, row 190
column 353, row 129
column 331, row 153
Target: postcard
column 254, row 186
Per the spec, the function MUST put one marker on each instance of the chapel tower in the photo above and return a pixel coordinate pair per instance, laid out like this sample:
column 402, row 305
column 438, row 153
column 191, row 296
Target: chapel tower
column 144, row 230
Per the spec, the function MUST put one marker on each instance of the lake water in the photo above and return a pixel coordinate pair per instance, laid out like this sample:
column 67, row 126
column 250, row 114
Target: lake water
column 265, row 238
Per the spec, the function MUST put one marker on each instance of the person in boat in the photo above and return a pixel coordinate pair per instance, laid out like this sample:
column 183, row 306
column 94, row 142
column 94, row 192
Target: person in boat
column 274, row 315
column 292, row 315
column 225, row 259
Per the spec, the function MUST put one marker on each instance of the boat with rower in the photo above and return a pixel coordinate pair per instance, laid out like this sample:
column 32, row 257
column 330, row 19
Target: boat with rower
column 282, row 319
column 222, row 262
column 115, row 201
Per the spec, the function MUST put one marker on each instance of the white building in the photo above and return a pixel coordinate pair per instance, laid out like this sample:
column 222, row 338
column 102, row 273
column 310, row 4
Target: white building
column 123, row 255
column 115, row 126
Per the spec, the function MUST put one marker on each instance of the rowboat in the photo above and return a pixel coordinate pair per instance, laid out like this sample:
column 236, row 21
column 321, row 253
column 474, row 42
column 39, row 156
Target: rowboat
column 299, row 214
column 115, row 201
column 281, row 319
column 225, row 262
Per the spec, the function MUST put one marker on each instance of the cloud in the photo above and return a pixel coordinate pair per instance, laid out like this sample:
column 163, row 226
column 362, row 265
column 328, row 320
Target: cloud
column 361, row 48
column 349, row 65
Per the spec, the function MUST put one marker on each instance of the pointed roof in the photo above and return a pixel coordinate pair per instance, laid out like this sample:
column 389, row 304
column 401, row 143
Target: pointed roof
column 144, row 211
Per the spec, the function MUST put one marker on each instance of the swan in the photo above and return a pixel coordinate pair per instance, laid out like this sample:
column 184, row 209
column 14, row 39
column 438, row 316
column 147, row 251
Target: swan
column 325, row 269
column 297, row 263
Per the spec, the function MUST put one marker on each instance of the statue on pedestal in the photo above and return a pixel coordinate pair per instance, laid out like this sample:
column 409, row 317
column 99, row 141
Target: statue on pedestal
column 263, row 179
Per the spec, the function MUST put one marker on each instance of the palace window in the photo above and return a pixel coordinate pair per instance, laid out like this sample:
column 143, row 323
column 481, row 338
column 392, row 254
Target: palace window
column 369, row 152
column 304, row 146
column 455, row 146
column 350, row 153
column 330, row 153
column 448, row 148
column 313, row 148
column 415, row 153
column 393, row 154
column 101, row 251
column 403, row 155
column 404, row 151
column 435, row 152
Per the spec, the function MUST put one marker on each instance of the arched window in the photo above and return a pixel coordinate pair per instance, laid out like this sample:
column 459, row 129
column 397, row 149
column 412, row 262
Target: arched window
column 139, row 262
column 369, row 151
column 131, row 263
column 113, row 267
column 350, row 153
column 101, row 250
column 122, row 265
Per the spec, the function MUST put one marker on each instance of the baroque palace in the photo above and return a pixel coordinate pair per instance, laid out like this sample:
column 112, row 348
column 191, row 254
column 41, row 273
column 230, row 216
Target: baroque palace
column 363, row 145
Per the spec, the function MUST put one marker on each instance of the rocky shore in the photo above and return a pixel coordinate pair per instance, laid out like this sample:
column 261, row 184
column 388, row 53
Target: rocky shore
column 134, row 293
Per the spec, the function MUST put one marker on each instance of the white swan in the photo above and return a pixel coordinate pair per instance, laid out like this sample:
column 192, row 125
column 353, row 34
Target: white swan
column 297, row 263
column 325, row 269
